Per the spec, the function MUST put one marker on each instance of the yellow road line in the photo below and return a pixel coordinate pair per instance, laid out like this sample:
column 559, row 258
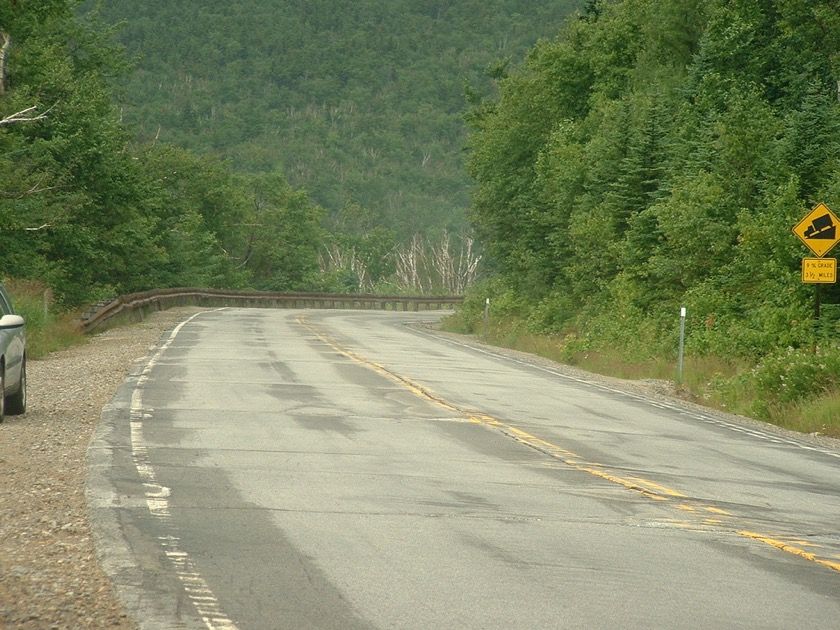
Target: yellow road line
column 715, row 510
column 656, row 486
column 779, row 544
column 645, row 487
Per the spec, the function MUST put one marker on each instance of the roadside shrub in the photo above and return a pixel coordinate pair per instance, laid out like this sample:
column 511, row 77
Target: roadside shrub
column 821, row 415
column 505, row 304
column 795, row 375
column 552, row 313
column 628, row 332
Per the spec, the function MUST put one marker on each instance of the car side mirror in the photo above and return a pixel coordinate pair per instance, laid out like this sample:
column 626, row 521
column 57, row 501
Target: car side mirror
column 11, row 321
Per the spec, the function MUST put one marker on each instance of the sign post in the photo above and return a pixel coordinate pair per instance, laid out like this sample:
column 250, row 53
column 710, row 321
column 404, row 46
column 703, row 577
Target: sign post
column 682, row 345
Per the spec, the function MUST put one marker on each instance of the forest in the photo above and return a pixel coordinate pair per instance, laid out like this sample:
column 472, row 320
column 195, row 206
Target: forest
column 360, row 104
column 255, row 144
column 655, row 156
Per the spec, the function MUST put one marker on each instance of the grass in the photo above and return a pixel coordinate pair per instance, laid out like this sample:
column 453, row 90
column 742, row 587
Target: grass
column 601, row 362
column 46, row 331
column 716, row 382
column 821, row 415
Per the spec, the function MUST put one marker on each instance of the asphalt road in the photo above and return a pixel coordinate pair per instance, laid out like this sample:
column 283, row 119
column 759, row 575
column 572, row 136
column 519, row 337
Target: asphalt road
column 273, row 469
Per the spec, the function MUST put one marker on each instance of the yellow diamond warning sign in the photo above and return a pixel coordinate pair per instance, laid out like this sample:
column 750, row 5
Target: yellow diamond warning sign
column 818, row 230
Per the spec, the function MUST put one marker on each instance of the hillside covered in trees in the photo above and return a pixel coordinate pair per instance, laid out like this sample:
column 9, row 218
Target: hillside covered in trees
column 657, row 154
column 89, row 212
column 359, row 103
column 159, row 152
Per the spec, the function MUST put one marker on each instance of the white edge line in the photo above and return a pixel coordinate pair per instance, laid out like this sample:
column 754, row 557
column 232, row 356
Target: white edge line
column 703, row 417
column 157, row 500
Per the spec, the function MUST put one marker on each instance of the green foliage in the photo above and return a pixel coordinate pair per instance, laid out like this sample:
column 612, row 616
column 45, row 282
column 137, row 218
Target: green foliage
column 358, row 103
column 361, row 105
column 505, row 304
column 794, row 375
column 199, row 209
column 285, row 236
column 641, row 161
column 68, row 202
column 820, row 415
column 553, row 312
column 46, row 329
column 699, row 135
column 92, row 214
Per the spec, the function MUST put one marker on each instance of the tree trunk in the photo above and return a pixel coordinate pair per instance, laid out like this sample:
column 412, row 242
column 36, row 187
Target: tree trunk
column 4, row 51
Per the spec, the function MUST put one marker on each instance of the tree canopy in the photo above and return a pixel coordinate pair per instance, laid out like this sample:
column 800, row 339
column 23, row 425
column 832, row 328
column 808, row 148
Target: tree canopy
column 657, row 153
column 359, row 103
column 92, row 212
column 253, row 144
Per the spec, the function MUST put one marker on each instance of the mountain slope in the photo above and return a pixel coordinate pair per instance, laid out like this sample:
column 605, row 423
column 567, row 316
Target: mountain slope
column 358, row 103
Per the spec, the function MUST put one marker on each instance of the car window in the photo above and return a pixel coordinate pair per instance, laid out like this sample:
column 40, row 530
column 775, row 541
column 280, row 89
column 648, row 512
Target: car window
column 5, row 304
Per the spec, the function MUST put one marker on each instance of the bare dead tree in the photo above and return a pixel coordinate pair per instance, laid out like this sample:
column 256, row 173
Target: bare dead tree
column 455, row 269
column 470, row 262
column 39, row 228
column 27, row 115
column 412, row 266
column 333, row 258
column 4, row 53
column 443, row 261
column 450, row 264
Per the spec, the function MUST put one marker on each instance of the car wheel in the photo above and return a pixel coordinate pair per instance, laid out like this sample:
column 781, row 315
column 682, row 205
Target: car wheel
column 16, row 403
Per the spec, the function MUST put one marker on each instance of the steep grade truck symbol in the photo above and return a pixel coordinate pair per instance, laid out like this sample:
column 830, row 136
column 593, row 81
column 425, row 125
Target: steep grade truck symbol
column 822, row 227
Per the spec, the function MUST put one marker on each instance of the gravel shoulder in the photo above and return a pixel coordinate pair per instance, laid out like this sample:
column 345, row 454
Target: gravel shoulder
column 50, row 574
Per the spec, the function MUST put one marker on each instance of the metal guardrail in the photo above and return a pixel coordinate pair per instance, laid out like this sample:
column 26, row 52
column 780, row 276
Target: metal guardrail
column 136, row 306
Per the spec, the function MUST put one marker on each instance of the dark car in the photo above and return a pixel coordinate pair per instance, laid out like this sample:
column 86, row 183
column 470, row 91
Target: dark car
column 12, row 358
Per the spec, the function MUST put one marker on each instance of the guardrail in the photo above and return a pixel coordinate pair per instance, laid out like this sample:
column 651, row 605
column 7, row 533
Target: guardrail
column 136, row 306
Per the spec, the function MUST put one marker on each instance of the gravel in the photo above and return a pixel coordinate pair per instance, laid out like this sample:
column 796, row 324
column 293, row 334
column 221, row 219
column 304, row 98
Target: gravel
column 50, row 575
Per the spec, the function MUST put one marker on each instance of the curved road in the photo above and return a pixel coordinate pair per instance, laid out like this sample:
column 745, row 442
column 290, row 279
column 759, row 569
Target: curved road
column 273, row 469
